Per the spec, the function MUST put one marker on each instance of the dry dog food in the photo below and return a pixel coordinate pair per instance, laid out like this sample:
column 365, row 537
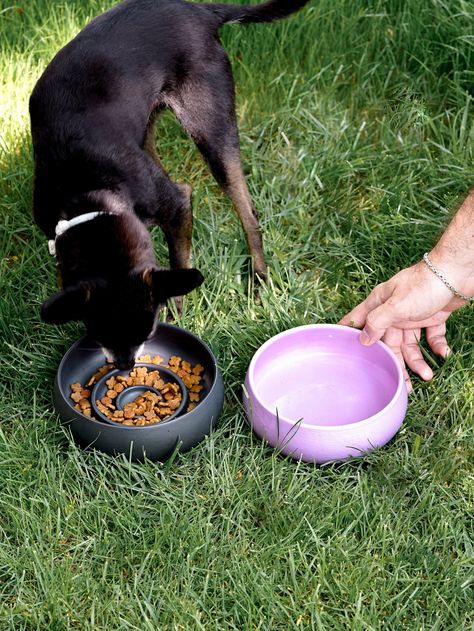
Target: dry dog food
column 148, row 407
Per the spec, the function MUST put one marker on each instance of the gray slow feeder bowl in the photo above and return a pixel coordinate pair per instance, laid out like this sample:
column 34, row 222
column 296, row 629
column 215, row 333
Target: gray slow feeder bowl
column 157, row 441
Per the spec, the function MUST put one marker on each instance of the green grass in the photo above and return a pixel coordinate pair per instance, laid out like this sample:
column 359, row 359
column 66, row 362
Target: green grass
column 357, row 134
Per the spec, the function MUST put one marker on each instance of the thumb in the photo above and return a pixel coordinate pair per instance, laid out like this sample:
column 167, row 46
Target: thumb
column 377, row 322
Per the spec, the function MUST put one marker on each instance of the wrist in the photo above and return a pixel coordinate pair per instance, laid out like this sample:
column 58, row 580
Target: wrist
column 456, row 273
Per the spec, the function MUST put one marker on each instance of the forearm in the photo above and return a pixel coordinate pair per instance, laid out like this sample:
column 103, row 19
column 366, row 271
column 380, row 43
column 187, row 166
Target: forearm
column 454, row 252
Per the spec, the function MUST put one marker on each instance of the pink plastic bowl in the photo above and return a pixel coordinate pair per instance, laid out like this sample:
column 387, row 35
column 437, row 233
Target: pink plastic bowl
column 317, row 394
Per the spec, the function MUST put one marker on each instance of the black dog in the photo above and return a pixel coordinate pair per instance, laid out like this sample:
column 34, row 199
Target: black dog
column 92, row 120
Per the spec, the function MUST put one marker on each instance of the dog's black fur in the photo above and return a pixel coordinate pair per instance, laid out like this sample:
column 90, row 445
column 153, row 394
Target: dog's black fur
column 92, row 120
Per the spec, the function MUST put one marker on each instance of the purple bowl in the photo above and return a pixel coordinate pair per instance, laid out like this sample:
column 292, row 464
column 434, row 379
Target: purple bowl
column 315, row 393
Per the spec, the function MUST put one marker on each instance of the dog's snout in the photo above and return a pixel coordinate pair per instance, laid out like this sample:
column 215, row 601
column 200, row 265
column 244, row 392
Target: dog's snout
column 124, row 364
column 122, row 359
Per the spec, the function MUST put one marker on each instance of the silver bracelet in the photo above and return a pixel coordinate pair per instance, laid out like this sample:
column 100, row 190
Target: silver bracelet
column 443, row 278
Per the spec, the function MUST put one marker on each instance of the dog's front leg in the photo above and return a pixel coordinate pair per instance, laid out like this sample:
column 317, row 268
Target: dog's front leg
column 178, row 229
column 174, row 218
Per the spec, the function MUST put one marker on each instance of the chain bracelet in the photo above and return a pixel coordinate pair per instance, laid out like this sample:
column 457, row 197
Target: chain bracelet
column 443, row 278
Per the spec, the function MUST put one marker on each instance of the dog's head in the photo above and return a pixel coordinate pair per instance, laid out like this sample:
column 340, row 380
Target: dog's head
column 120, row 316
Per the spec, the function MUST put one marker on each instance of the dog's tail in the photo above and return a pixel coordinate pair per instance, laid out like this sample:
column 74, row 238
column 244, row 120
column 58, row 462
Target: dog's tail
column 266, row 12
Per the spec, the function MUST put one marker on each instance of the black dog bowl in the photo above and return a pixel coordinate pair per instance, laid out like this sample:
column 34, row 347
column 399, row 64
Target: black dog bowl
column 131, row 392
column 156, row 441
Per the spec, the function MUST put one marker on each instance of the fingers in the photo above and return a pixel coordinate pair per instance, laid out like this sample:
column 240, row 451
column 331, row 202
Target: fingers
column 437, row 318
column 405, row 344
column 375, row 314
column 413, row 356
column 358, row 316
column 436, row 338
column 396, row 311
column 378, row 321
column 393, row 338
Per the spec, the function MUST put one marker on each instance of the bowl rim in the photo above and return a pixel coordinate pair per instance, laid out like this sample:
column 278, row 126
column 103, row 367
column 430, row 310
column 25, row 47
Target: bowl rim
column 332, row 428
column 146, row 428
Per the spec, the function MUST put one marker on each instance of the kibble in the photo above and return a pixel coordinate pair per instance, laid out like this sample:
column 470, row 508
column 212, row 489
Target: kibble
column 148, row 408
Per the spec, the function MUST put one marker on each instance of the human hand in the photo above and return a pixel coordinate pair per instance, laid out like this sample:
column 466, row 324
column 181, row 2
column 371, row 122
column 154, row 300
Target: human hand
column 398, row 309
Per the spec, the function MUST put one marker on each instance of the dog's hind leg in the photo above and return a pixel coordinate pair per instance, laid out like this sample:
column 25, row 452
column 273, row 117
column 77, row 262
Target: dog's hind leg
column 207, row 113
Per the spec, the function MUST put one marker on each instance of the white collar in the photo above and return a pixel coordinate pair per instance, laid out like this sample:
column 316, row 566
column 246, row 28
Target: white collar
column 65, row 224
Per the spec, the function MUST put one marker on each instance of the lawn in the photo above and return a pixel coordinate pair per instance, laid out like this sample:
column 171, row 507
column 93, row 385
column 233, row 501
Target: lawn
column 357, row 135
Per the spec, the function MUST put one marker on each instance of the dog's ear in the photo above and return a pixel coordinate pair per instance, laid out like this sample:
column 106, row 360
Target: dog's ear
column 174, row 282
column 66, row 306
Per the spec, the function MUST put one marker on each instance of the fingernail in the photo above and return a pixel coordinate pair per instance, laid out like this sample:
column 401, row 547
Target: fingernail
column 364, row 339
column 448, row 352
